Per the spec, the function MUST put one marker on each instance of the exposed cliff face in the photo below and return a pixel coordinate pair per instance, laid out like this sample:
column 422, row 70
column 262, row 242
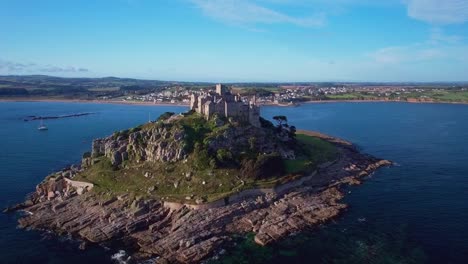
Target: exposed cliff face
column 172, row 141
column 159, row 143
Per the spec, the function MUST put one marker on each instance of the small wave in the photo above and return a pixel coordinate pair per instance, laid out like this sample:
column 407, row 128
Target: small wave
column 121, row 257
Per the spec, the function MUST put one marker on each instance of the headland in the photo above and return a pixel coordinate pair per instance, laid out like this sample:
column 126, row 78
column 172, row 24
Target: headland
column 180, row 188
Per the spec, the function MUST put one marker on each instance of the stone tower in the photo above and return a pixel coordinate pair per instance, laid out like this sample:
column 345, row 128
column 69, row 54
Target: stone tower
column 221, row 89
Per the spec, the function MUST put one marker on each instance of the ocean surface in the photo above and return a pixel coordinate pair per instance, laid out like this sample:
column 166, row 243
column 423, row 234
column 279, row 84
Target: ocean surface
column 414, row 212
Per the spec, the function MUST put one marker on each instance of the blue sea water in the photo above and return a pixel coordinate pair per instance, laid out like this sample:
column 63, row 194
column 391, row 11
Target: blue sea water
column 426, row 194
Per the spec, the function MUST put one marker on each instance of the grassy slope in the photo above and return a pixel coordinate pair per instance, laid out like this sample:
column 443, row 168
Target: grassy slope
column 169, row 179
column 317, row 151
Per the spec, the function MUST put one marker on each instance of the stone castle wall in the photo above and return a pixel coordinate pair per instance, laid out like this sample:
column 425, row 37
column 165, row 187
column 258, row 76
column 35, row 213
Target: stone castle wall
column 227, row 105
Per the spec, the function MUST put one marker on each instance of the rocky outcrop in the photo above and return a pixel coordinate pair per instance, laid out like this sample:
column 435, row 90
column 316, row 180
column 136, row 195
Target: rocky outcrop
column 160, row 143
column 241, row 138
column 60, row 186
column 168, row 142
column 182, row 235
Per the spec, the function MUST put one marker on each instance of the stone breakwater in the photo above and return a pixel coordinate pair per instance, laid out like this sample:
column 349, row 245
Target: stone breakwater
column 32, row 118
column 183, row 235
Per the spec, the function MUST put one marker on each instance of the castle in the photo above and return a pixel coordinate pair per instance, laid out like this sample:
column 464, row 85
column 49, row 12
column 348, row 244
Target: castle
column 226, row 104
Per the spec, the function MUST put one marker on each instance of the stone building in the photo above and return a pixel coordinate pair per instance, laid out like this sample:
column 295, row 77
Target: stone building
column 223, row 103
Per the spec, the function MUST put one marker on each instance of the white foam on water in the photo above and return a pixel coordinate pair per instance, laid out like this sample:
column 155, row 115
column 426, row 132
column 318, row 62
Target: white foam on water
column 121, row 257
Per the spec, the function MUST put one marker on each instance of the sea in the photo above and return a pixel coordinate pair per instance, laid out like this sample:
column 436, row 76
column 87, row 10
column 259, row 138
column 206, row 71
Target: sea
column 413, row 212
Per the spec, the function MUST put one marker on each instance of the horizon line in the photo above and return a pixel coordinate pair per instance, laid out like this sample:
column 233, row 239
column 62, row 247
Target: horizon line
column 240, row 82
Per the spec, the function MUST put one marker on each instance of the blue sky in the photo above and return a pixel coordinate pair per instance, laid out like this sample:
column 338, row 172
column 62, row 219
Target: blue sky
column 237, row 40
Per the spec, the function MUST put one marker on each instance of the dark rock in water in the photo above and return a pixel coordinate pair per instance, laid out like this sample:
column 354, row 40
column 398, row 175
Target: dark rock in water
column 18, row 207
column 83, row 245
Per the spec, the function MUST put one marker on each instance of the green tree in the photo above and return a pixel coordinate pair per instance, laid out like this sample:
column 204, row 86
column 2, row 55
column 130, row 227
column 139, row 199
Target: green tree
column 280, row 120
column 165, row 116
column 292, row 132
column 224, row 155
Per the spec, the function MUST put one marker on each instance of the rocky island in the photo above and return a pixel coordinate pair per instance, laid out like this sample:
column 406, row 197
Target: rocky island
column 177, row 190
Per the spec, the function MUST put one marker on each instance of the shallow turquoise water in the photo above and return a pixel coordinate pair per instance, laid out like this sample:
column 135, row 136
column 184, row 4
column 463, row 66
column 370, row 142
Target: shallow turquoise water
column 423, row 199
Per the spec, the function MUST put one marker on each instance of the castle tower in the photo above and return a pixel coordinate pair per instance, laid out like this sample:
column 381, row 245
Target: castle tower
column 221, row 89
column 254, row 115
column 193, row 102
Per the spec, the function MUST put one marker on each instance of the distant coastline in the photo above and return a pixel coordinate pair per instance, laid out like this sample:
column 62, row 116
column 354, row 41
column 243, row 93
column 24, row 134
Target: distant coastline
column 51, row 100
column 361, row 101
column 147, row 103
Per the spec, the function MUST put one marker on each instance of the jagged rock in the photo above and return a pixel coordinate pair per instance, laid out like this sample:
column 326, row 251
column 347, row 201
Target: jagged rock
column 124, row 156
column 50, row 195
column 148, row 145
column 116, row 158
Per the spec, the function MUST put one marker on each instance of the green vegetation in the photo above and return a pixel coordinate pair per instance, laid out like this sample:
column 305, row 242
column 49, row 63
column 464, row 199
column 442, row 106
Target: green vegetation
column 431, row 95
column 259, row 91
column 313, row 152
column 174, row 180
column 449, row 96
column 208, row 174
column 165, row 116
column 351, row 96
column 104, row 89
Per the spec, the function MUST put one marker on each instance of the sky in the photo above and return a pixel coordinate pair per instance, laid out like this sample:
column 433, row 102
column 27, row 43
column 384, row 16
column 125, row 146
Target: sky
column 237, row 40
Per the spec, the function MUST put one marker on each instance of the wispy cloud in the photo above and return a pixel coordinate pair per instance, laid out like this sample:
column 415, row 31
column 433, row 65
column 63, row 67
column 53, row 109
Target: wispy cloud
column 250, row 13
column 405, row 54
column 10, row 67
column 439, row 12
column 438, row 36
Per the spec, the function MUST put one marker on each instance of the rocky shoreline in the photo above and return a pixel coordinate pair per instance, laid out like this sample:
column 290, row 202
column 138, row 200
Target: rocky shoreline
column 184, row 235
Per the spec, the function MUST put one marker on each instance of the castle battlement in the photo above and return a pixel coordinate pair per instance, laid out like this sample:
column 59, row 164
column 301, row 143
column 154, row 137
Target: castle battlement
column 223, row 103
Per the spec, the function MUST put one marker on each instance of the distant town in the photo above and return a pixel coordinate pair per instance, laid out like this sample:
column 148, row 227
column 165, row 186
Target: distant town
column 125, row 90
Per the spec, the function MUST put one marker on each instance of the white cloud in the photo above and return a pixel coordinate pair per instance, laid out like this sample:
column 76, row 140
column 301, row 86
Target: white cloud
column 439, row 12
column 247, row 12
